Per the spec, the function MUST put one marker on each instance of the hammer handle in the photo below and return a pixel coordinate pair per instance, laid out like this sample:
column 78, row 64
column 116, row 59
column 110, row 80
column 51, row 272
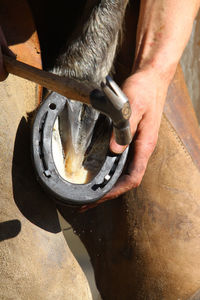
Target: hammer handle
column 61, row 85
column 48, row 80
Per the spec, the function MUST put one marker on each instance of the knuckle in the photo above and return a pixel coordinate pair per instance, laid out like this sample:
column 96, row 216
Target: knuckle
column 138, row 107
column 136, row 182
column 136, row 178
column 130, row 183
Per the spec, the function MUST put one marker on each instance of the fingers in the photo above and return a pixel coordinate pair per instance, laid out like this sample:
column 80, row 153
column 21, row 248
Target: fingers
column 4, row 49
column 122, row 185
column 146, row 93
column 138, row 107
column 144, row 145
column 114, row 147
column 135, row 118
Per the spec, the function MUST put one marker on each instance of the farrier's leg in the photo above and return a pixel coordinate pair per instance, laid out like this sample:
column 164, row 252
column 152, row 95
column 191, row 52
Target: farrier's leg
column 35, row 261
column 146, row 244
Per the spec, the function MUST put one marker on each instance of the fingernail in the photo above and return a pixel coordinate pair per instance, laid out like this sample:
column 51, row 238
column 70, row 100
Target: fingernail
column 116, row 148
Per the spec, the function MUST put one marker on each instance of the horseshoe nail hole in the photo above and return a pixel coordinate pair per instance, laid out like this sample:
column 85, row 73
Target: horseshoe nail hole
column 52, row 106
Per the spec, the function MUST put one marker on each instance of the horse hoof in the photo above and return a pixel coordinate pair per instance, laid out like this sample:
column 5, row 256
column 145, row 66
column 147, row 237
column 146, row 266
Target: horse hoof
column 50, row 163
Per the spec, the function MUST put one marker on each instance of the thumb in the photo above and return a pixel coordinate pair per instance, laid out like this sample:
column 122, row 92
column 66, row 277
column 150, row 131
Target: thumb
column 116, row 148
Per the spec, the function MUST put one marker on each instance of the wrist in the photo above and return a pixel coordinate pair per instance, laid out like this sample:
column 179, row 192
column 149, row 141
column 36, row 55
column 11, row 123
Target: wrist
column 159, row 64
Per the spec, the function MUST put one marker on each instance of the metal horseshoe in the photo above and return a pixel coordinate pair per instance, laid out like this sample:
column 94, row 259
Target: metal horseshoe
column 46, row 171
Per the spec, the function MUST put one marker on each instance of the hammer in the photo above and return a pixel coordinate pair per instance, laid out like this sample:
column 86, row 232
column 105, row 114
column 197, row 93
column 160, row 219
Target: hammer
column 110, row 100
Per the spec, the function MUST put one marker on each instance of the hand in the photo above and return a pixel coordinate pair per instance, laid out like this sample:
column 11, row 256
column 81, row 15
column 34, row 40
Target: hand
column 161, row 38
column 146, row 92
column 3, row 49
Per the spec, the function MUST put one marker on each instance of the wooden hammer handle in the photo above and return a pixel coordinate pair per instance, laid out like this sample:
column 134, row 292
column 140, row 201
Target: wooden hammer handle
column 48, row 80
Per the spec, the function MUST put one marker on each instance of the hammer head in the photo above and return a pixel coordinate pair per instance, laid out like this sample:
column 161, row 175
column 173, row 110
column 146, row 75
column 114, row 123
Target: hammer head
column 112, row 102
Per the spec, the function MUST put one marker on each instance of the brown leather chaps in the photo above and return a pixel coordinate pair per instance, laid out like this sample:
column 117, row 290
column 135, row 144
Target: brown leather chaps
column 35, row 261
column 143, row 245
column 146, row 243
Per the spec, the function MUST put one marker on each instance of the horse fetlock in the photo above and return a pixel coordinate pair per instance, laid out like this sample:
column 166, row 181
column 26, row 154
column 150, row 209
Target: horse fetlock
column 89, row 56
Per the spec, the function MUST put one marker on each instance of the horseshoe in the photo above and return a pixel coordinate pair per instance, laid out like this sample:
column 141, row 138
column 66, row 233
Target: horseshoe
column 46, row 172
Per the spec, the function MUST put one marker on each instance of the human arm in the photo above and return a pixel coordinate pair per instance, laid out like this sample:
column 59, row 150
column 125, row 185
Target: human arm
column 163, row 32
